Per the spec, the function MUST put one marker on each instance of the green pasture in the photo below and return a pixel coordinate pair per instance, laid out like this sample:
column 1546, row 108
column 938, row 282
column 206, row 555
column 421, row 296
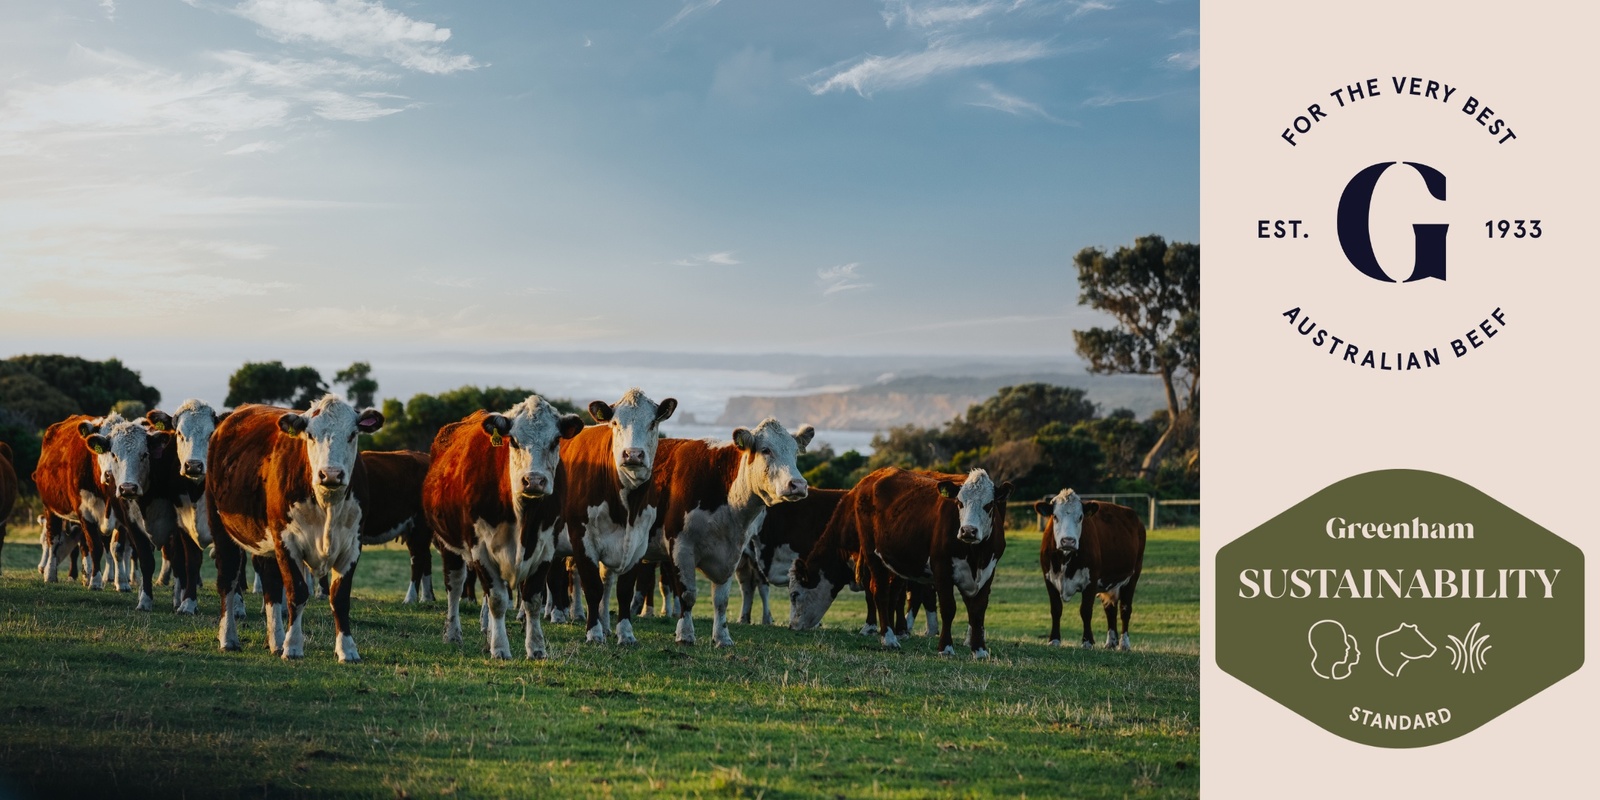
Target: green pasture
column 99, row 700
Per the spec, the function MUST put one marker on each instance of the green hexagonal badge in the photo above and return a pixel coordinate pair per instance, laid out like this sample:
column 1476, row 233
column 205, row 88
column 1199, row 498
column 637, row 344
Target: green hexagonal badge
column 1399, row 608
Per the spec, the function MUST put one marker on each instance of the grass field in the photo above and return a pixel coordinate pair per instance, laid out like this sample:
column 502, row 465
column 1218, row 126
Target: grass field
column 97, row 698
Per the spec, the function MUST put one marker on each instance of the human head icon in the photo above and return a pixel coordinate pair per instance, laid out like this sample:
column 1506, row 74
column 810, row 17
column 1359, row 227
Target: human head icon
column 1333, row 651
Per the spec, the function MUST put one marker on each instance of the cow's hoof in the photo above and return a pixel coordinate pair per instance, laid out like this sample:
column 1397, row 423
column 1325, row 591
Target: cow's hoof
column 722, row 641
column 624, row 633
column 1055, row 642
column 980, row 653
column 869, row 630
column 231, row 647
column 288, row 656
column 144, row 605
column 744, row 620
column 188, row 607
column 595, row 636
column 948, row 651
column 452, row 636
column 1088, row 644
column 505, row 656
column 558, row 617
column 536, row 655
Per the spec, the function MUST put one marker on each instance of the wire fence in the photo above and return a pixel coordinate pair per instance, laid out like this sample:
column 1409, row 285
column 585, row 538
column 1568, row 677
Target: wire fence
column 1152, row 511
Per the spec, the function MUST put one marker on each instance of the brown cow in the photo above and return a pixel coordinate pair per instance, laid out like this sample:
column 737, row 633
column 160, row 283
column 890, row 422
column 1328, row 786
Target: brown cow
column 611, row 504
column 394, row 511
column 909, row 526
column 192, row 425
column 8, row 489
column 287, row 488
column 493, row 500
column 69, row 483
column 789, row 530
column 714, row 498
column 1093, row 548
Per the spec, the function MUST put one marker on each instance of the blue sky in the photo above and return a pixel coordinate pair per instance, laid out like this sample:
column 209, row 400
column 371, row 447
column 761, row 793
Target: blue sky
column 817, row 177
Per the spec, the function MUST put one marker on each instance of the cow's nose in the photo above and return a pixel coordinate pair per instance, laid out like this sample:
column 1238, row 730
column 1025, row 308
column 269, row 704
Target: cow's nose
column 194, row 468
column 331, row 477
column 128, row 490
column 633, row 457
column 968, row 533
column 796, row 490
column 535, row 484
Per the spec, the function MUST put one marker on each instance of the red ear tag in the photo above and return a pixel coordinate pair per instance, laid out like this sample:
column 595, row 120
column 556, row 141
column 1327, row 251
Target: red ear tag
column 495, row 439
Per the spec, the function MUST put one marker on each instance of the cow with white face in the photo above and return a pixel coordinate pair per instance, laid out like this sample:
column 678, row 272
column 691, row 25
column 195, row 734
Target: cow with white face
column 137, row 460
column 715, row 498
column 286, row 488
column 192, row 425
column 611, row 505
column 1094, row 548
column 493, row 497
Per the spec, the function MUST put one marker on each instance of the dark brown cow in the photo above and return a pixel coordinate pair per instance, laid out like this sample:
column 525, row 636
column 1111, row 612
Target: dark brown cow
column 610, row 508
column 493, row 501
column 192, row 425
column 909, row 526
column 8, row 489
column 789, row 530
column 714, row 498
column 1094, row 548
column 286, row 488
column 394, row 511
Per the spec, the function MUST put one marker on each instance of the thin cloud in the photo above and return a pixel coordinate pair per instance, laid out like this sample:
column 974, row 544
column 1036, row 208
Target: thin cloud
column 690, row 9
column 362, row 28
column 110, row 7
column 842, row 278
column 1014, row 105
column 1090, row 6
column 254, row 147
column 1106, row 99
column 876, row 73
column 1185, row 59
column 723, row 259
column 938, row 15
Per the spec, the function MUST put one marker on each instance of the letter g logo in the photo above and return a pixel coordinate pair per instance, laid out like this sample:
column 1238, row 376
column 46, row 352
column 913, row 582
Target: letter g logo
column 1355, row 234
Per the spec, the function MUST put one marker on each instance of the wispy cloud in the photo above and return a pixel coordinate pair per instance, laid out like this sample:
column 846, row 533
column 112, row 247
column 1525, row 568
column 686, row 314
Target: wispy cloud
column 876, row 73
column 842, row 278
column 689, row 9
column 1105, row 99
column 723, row 259
column 364, row 28
column 1090, row 6
column 1184, row 59
column 939, row 14
column 1014, row 105
column 110, row 7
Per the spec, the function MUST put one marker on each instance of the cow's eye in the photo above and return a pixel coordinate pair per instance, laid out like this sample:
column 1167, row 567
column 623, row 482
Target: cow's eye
column 555, row 444
column 766, row 451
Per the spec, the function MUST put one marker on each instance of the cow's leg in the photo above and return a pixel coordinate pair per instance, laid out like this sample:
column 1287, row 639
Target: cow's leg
column 532, row 597
column 558, row 592
column 1086, row 611
column 624, row 585
column 144, row 551
column 1108, row 601
column 496, row 601
column 272, row 598
column 902, row 592
column 94, row 550
column 255, row 583
column 643, row 577
column 1126, row 601
column 339, row 599
column 469, row 589
column 243, row 567
column 719, row 615
column 945, row 588
column 1055, row 612
column 977, row 609
column 575, row 606
column 298, row 591
column 164, row 577
column 122, row 558
column 682, row 570
column 171, row 562
column 766, row 603
column 230, row 561
column 455, row 580
column 44, row 542
column 50, row 539
column 419, row 544
column 884, row 590
column 748, row 578
column 594, row 594
column 870, row 627
column 188, row 566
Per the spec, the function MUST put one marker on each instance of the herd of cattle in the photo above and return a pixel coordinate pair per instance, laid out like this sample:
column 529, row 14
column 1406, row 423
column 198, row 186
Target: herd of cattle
column 522, row 500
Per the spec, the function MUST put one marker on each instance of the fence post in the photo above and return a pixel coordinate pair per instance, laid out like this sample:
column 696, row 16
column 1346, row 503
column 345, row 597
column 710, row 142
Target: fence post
column 1153, row 506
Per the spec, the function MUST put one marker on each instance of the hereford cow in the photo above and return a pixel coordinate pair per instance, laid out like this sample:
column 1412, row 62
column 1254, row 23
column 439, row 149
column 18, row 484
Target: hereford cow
column 192, row 425
column 611, row 504
column 394, row 511
column 8, row 489
column 493, row 500
column 1094, row 548
column 286, row 488
column 714, row 499
column 789, row 530
column 909, row 526
column 69, row 480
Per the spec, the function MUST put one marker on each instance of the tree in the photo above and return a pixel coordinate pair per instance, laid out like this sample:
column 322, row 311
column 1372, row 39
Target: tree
column 94, row 386
column 1152, row 290
column 1017, row 412
column 358, row 382
column 412, row 426
column 22, row 433
column 273, row 383
column 29, row 396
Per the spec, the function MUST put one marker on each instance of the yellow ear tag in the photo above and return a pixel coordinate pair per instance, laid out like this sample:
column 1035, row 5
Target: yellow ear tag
column 495, row 439
column 98, row 450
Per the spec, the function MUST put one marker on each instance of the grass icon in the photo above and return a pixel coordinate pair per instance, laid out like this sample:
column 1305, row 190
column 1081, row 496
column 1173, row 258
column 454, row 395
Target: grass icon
column 1468, row 656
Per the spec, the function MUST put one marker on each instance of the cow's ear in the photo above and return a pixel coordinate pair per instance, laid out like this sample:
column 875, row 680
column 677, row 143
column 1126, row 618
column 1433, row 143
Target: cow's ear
column 97, row 443
column 292, row 424
column 1003, row 491
column 157, row 442
column 798, row 571
column 87, row 428
column 743, row 439
column 665, row 410
column 369, row 421
column 1090, row 507
column 949, row 489
column 496, row 426
column 218, row 418
column 1044, row 508
column 160, row 420
column 804, row 435
column 601, row 411
column 570, row 425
